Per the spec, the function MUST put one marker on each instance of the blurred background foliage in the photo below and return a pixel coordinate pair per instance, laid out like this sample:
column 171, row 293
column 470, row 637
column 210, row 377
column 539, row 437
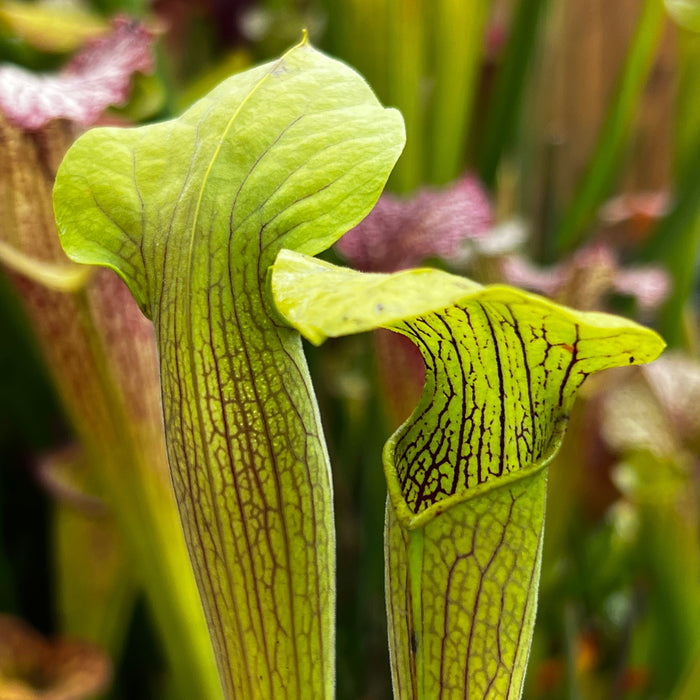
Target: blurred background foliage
column 578, row 122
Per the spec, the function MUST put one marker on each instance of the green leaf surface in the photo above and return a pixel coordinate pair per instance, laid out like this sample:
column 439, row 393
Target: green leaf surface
column 462, row 595
column 290, row 153
column 685, row 12
column 465, row 471
column 323, row 301
column 514, row 359
column 191, row 213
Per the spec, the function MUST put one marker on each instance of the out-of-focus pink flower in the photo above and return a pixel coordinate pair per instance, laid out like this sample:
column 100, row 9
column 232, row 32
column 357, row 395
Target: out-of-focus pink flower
column 675, row 381
column 648, row 285
column 629, row 218
column 585, row 279
column 654, row 408
column 520, row 272
column 97, row 77
column 645, row 205
column 400, row 233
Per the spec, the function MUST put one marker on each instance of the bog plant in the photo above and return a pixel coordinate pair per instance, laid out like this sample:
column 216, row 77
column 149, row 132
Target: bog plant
column 212, row 220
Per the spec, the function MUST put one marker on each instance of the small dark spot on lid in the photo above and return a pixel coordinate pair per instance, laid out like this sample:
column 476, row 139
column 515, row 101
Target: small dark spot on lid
column 379, row 307
column 279, row 69
column 631, row 359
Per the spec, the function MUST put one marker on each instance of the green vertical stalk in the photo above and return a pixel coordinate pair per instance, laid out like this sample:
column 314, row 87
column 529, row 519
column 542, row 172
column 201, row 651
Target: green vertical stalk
column 687, row 688
column 406, row 39
column 506, row 103
column 675, row 244
column 676, row 241
column 95, row 586
column 687, row 100
column 613, row 138
column 385, row 41
column 457, row 47
column 424, row 59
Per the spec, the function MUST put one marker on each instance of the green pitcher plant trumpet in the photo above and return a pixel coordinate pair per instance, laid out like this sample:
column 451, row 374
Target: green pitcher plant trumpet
column 211, row 219
column 466, row 472
column 191, row 213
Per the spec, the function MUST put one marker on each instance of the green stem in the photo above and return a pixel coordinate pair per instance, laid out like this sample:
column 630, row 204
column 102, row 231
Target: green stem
column 458, row 40
column 506, row 104
column 95, row 585
column 360, row 42
column 405, row 32
column 687, row 688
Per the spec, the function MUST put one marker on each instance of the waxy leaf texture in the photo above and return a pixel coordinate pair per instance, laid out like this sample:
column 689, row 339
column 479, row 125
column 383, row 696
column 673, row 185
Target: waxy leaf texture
column 191, row 213
column 466, row 471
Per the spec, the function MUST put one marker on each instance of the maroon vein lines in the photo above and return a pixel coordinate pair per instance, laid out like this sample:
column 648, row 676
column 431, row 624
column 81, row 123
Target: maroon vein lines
column 496, row 389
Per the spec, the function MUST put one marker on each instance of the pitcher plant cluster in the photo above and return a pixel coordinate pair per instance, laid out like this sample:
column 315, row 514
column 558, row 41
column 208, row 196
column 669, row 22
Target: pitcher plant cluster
column 213, row 220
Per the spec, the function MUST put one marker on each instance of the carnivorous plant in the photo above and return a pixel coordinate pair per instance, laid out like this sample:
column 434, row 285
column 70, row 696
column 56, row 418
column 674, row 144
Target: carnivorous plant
column 212, row 219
